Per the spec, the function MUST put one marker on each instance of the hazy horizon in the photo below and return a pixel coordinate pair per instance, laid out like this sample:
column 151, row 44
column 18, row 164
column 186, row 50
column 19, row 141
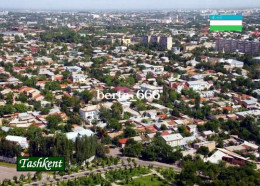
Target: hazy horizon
column 126, row 4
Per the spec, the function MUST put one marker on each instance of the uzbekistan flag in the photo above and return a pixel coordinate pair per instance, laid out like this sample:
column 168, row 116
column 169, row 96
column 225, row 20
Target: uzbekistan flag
column 226, row 23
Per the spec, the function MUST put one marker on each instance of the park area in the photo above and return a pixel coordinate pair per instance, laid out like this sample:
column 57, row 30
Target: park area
column 151, row 180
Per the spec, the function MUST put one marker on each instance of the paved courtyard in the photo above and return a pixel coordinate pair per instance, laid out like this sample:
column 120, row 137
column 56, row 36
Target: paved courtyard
column 9, row 173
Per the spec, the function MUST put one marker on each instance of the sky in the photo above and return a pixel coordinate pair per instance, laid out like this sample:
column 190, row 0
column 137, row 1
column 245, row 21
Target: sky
column 125, row 4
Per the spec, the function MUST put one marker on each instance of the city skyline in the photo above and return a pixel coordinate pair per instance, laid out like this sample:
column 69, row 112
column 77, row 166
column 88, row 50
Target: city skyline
column 125, row 5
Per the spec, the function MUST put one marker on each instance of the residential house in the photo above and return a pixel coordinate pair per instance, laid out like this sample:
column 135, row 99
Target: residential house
column 198, row 85
column 79, row 78
column 173, row 140
column 89, row 113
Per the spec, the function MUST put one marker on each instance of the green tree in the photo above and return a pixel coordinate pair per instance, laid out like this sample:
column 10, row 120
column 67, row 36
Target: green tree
column 129, row 132
column 86, row 95
column 203, row 150
column 53, row 121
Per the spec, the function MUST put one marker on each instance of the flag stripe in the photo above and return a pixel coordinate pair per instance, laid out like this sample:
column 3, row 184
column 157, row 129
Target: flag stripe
column 226, row 28
column 225, row 17
column 225, row 23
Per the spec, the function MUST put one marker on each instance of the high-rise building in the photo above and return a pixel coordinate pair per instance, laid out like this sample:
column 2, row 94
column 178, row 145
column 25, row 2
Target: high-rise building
column 146, row 39
column 155, row 39
column 232, row 45
column 164, row 41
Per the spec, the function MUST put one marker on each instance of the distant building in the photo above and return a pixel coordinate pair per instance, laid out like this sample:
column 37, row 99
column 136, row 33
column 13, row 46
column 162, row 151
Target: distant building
column 164, row 41
column 244, row 46
column 176, row 50
column 73, row 69
column 147, row 87
column 146, row 39
column 198, row 85
column 79, row 78
column 233, row 63
column 155, row 39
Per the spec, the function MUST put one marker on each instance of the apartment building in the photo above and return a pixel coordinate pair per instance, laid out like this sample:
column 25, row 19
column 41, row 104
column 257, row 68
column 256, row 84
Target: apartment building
column 232, row 45
column 164, row 41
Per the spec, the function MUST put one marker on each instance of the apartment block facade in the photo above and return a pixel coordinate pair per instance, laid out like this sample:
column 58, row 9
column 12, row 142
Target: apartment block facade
column 164, row 41
column 232, row 45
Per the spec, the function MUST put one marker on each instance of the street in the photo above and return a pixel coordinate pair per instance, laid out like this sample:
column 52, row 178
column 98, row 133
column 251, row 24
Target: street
column 116, row 153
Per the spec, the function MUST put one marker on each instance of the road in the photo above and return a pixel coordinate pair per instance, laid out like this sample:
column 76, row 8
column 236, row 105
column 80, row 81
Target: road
column 116, row 153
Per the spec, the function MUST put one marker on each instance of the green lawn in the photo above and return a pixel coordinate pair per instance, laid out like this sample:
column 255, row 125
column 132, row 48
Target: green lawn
column 149, row 181
column 7, row 165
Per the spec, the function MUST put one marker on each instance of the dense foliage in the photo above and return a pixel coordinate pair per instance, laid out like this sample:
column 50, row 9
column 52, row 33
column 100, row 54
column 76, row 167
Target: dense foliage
column 9, row 149
column 74, row 152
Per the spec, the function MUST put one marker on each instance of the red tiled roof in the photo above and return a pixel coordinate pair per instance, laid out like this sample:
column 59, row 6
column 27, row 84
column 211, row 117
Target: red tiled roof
column 123, row 140
column 164, row 133
column 151, row 129
column 122, row 89
column 227, row 108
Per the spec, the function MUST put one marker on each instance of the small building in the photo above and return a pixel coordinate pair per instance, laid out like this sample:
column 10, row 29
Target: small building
column 123, row 142
column 173, row 140
column 22, row 141
column 198, row 85
column 192, row 129
column 79, row 78
column 249, row 104
column 228, row 156
column 79, row 133
column 90, row 112
column 207, row 133
column 210, row 144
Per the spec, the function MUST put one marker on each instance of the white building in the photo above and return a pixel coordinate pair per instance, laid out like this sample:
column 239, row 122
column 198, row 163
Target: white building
column 73, row 69
column 79, row 131
column 198, row 85
column 192, row 62
column 147, row 87
column 79, row 78
column 152, row 69
column 233, row 63
column 165, row 59
column 22, row 141
column 173, row 140
column 89, row 113
column 207, row 94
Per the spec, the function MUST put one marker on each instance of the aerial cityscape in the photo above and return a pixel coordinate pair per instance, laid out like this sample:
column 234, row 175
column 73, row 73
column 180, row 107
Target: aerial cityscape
column 135, row 93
